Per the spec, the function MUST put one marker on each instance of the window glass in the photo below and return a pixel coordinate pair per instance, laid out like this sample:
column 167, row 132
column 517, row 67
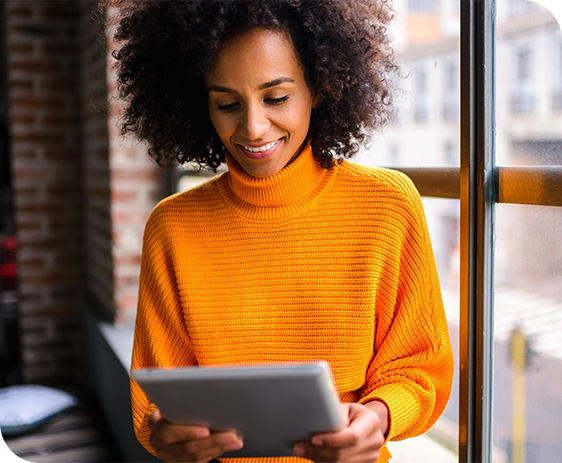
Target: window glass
column 426, row 6
column 451, row 89
column 556, row 55
column 425, row 132
column 520, row 7
column 522, row 87
column 527, row 341
column 528, row 87
column 527, row 294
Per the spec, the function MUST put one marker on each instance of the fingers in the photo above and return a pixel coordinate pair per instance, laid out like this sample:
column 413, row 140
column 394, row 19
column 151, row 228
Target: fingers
column 201, row 450
column 170, row 433
column 360, row 441
column 362, row 423
column 189, row 443
column 367, row 454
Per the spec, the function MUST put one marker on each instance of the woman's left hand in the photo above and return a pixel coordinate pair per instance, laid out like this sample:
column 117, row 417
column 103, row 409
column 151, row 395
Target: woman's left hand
column 360, row 441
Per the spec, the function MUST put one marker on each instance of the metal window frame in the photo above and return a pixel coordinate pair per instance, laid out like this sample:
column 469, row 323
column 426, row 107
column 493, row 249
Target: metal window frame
column 477, row 210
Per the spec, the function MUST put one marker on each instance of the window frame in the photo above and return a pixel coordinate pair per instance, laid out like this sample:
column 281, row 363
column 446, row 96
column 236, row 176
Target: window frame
column 480, row 185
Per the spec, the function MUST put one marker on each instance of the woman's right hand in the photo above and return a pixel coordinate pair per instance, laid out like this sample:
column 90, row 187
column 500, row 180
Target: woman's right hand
column 189, row 443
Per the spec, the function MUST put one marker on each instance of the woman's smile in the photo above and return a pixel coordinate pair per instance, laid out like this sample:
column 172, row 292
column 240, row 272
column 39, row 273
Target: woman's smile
column 260, row 151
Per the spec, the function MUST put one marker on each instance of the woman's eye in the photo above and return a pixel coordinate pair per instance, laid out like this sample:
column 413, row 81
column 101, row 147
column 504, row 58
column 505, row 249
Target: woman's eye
column 275, row 101
column 227, row 107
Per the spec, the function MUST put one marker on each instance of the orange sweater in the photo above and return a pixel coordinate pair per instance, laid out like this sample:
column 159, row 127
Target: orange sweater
column 308, row 264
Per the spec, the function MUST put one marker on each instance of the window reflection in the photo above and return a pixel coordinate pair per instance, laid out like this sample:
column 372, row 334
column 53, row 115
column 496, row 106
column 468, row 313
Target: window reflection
column 528, row 251
column 451, row 89
column 421, row 100
column 528, row 304
column 556, row 55
column 425, row 132
column 528, row 85
column 522, row 93
column 520, row 7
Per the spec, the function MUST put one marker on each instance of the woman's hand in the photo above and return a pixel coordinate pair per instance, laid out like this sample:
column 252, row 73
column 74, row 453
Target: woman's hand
column 189, row 443
column 360, row 441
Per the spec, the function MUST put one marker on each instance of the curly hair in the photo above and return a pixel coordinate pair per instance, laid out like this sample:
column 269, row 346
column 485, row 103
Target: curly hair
column 167, row 46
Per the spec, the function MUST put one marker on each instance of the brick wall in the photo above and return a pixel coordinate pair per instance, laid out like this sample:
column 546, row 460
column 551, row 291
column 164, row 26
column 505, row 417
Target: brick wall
column 82, row 193
column 136, row 185
column 122, row 183
column 42, row 59
column 95, row 155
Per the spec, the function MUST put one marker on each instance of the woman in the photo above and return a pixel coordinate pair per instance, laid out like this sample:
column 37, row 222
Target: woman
column 294, row 254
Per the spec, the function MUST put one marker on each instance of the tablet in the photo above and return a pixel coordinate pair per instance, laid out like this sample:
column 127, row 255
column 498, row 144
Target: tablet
column 271, row 406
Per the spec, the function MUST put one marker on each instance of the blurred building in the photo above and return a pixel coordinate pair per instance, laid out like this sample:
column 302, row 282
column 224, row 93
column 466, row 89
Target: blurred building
column 425, row 132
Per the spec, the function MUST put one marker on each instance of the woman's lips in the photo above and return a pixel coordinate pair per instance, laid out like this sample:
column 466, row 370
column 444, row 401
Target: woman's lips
column 260, row 154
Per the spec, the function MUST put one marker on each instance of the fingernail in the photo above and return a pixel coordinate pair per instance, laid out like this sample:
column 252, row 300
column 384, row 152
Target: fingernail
column 317, row 441
column 298, row 452
column 237, row 445
column 201, row 433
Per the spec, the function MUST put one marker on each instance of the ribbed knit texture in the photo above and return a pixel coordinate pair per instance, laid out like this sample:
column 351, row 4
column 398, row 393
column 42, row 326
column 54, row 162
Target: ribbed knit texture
column 309, row 264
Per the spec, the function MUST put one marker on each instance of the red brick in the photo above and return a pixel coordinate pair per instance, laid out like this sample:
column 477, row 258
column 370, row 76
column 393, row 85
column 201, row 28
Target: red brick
column 23, row 120
column 27, row 227
column 24, row 154
column 26, row 48
column 59, row 49
column 37, row 102
column 23, row 175
column 32, row 261
column 19, row 11
column 33, row 30
column 146, row 175
column 66, row 12
column 133, row 260
column 118, row 195
column 61, row 119
column 45, row 138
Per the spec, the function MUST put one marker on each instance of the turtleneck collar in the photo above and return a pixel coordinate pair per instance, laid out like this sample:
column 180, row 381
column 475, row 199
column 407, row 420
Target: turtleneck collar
column 288, row 191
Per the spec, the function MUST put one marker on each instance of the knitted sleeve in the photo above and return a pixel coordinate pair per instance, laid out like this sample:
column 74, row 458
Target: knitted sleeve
column 161, row 337
column 412, row 368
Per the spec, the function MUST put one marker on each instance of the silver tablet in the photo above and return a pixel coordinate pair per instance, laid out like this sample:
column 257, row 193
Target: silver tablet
column 271, row 406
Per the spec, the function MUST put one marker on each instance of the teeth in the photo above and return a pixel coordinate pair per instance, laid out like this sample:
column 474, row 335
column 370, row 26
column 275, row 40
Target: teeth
column 261, row 149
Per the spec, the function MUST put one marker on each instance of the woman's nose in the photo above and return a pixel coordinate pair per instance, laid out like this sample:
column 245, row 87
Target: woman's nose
column 255, row 124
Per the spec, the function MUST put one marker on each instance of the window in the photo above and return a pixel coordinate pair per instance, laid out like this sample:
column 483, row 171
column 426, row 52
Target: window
column 422, row 6
column 520, row 7
column 523, row 99
column 526, row 265
column 556, row 53
column 506, row 313
column 426, row 135
column 420, row 95
column 451, row 102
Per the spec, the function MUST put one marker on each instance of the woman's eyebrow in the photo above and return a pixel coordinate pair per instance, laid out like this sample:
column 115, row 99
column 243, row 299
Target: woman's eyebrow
column 218, row 88
column 274, row 82
column 265, row 85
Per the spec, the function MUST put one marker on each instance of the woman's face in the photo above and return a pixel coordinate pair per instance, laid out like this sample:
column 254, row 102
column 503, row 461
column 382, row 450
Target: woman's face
column 259, row 102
